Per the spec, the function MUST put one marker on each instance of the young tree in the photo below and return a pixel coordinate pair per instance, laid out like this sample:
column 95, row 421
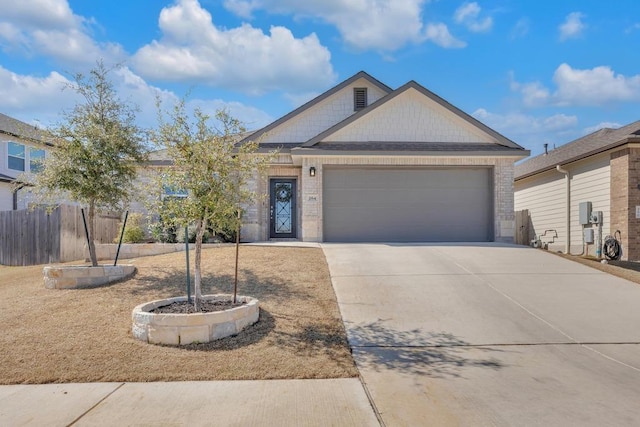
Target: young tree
column 209, row 172
column 98, row 149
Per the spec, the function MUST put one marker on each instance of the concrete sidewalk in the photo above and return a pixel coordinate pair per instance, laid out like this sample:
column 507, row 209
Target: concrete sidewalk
column 330, row 402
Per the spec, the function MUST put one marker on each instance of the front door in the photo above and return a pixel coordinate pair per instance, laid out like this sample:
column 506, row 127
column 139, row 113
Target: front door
column 282, row 208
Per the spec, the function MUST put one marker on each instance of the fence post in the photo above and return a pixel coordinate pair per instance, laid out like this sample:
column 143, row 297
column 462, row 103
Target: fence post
column 124, row 224
column 86, row 230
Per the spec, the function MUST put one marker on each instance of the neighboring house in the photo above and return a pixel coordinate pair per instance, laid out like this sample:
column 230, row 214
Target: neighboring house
column 364, row 163
column 602, row 168
column 22, row 148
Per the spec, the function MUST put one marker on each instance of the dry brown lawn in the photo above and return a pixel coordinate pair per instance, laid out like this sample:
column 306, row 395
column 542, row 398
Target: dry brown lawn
column 85, row 335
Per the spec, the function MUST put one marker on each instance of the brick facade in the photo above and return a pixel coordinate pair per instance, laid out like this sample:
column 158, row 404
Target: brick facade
column 408, row 115
column 625, row 197
column 255, row 227
column 310, row 215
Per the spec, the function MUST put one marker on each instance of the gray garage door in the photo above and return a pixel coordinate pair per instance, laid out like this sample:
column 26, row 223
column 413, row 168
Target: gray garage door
column 408, row 205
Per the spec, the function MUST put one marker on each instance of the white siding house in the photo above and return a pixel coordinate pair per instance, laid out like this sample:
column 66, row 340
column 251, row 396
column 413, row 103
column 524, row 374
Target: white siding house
column 22, row 147
column 545, row 197
column 601, row 169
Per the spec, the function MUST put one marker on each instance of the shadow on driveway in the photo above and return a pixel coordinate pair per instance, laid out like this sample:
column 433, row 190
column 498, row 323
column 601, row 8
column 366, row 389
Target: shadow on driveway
column 415, row 352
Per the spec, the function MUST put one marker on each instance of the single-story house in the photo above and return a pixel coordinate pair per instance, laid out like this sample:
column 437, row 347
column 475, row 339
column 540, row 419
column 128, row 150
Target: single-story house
column 364, row 162
column 602, row 168
column 22, row 148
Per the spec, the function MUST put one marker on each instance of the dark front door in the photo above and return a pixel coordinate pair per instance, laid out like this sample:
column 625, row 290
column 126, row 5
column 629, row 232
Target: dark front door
column 283, row 208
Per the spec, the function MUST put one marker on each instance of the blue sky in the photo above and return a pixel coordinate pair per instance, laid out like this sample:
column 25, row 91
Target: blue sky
column 536, row 71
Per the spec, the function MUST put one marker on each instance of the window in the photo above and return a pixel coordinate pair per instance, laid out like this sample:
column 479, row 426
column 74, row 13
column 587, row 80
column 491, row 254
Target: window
column 16, row 156
column 36, row 157
column 23, row 158
column 359, row 98
column 177, row 193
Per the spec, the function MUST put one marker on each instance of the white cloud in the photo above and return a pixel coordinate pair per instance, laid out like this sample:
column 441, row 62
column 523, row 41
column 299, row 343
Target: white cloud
column 252, row 118
column 602, row 125
column 520, row 29
column 383, row 25
column 298, row 99
column 41, row 27
column 576, row 87
column 596, row 86
column 45, row 14
column 41, row 97
column 572, row 27
column 193, row 49
column 440, row 35
column 633, row 28
column 132, row 88
column 523, row 124
column 242, row 8
column 534, row 94
column 41, row 100
column 530, row 131
column 468, row 15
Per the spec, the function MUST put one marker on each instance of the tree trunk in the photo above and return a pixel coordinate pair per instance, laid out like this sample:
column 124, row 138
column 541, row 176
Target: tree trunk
column 201, row 226
column 92, row 244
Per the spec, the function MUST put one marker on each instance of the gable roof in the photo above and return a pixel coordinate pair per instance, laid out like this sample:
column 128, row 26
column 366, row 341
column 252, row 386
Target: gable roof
column 500, row 139
column 19, row 129
column 589, row 145
column 316, row 100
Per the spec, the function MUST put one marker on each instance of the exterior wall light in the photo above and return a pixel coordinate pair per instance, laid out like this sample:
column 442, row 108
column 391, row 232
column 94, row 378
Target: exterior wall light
column 312, row 171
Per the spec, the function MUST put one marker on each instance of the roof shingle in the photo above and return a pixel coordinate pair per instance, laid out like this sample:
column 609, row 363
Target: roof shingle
column 594, row 143
column 414, row 146
column 14, row 127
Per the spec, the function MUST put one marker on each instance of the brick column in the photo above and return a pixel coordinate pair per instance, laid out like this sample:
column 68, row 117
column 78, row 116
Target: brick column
column 311, row 202
column 505, row 219
column 625, row 196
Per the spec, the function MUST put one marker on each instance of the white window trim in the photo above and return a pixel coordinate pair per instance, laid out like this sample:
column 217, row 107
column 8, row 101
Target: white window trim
column 44, row 156
column 27, row 156
column 24, row 159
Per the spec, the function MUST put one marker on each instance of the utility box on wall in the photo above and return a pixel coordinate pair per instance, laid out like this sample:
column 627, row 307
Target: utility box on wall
column 584, row 210
column 588, row 236
column 596, row 217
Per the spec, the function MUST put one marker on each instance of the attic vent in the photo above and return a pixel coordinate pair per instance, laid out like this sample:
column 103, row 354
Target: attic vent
column 359, row 98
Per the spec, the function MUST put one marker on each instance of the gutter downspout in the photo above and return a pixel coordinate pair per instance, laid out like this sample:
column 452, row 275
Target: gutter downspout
column 567, row 180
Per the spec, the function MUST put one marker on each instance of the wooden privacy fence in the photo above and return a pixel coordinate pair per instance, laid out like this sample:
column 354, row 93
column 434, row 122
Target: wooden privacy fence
column 31, row 237
column 523, row 228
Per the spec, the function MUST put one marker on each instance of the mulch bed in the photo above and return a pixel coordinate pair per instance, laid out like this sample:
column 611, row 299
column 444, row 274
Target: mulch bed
column 185, row 307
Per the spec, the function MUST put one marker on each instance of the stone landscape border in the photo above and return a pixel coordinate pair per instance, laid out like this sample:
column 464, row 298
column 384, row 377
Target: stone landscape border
column 188, row 328
column 81, row 276
column 136, row 250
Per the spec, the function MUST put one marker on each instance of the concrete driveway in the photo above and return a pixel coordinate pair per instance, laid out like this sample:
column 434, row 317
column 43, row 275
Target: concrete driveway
column 489, row 334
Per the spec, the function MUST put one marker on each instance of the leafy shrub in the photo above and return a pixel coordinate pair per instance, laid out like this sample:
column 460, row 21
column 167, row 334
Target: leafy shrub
column 133, row 232
column 162, row 233
column 227, row 235
column 192, row 234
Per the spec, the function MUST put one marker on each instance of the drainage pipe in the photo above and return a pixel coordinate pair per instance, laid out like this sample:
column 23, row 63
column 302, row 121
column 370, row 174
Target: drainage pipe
column 567, row 180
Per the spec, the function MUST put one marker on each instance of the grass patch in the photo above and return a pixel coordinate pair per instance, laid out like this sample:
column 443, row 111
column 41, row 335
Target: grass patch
column 57, row 336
